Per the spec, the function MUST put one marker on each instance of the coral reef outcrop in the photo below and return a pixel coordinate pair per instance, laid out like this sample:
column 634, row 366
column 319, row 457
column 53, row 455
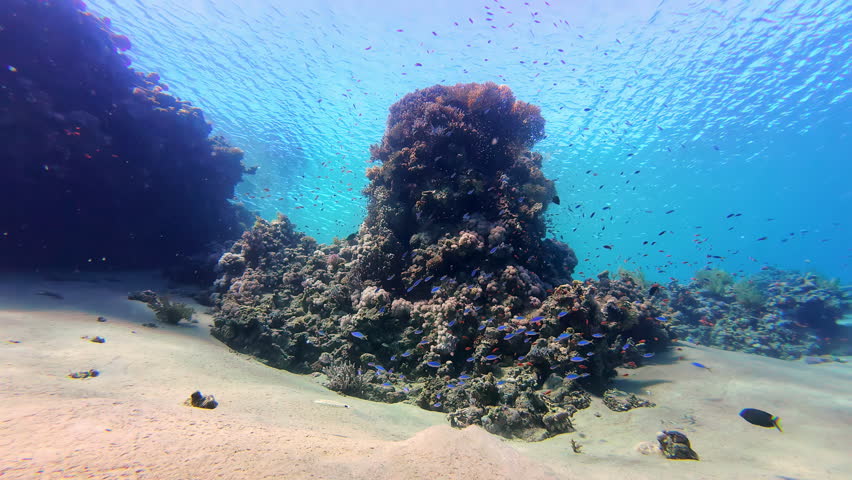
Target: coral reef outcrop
column 450, row 296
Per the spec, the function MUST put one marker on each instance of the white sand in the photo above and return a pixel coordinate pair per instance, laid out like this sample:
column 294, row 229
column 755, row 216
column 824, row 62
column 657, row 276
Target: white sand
column 130, row 422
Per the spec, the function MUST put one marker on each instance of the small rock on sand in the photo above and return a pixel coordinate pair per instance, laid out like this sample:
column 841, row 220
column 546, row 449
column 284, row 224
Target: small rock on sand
column 199, row 400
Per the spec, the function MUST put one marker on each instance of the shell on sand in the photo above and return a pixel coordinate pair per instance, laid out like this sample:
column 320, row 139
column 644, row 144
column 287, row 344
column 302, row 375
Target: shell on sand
column 648, row 448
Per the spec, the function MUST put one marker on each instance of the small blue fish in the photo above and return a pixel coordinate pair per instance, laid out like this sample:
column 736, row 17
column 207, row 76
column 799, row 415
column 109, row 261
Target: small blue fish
column 418, row 331
column 437, row 395
column 382, row 310
column 531, row 333
column 509, row 336
column 474, row 272
column 359, row 335
column 451, row 323
column 434, row 364
column 589, row 354
column 563, row 336
column 626, row 346
column 321, row 333
column 662, row 319
column 521, row 200
column 437, row 404
column 520, row 317
column 578, row 359
column 460, row 384
column 466, row 311
column 409, row 289
column 417, row 282
column 470, row 191
column 464, row 376
column 371, row 364
column 584, row 375
column 406, row 354
column 481, row 327
column 648, row 355
column 430, row 277
column 521, row 358
column 393, row 358
column 493, row 250
column 598, row 335
column 405, row 389
column 490, row 320
column 443, row 278
column 476, row 309
column 501, row 328
column 572, row 376
column 492, row 357
column 436, row 289
column 500, row 382
column 387, row 384
column 470, row 359
column 377, row 289
column 451, row 385
column 423, row 342
column 537, row 319
column 701, row 366
column 391, row 277
column 562, row 314
column 466, row 216
column 583, row 343
column 381, row 368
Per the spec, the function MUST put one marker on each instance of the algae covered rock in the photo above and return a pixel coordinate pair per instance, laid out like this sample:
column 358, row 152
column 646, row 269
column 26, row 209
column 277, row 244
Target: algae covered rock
column 619, row 401
column 675, row 446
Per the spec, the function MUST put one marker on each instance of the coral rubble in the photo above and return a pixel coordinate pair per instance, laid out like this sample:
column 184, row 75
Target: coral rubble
column 103, row 166
column 449, row 296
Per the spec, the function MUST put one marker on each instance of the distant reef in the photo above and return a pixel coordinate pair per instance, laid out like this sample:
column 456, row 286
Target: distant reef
column 775, row 313
column 450, row 296
column 100, row 165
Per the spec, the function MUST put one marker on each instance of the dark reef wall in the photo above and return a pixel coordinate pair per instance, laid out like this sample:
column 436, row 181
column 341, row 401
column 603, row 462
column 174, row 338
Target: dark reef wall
column 449, row 296
column 98, row 161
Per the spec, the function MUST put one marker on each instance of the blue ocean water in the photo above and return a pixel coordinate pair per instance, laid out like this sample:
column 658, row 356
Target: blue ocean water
column 663, row 118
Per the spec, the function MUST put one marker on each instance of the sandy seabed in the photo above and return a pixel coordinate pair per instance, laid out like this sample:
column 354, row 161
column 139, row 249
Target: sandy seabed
column 130, row 422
